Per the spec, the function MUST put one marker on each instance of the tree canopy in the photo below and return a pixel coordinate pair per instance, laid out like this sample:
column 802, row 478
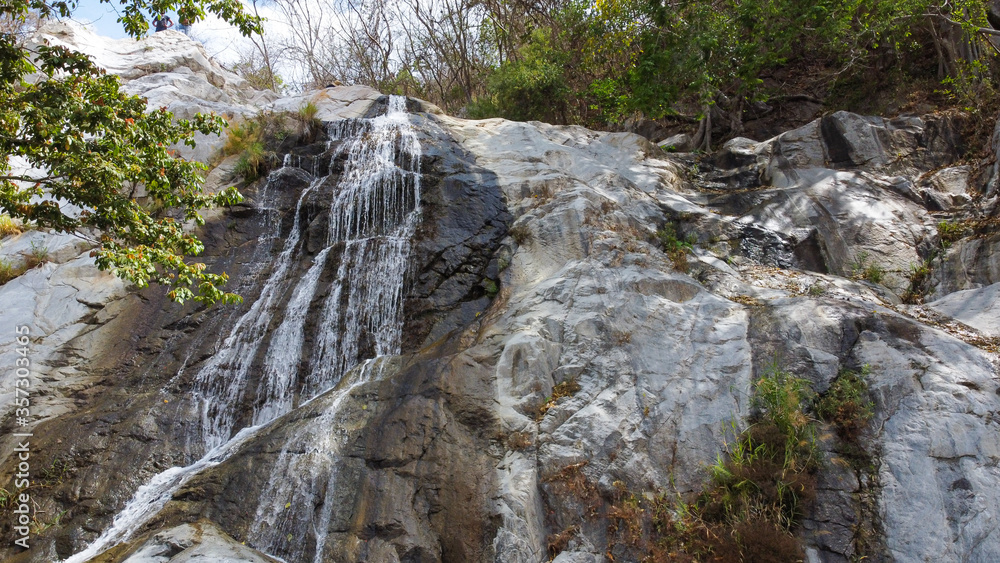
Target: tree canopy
column 76, row 152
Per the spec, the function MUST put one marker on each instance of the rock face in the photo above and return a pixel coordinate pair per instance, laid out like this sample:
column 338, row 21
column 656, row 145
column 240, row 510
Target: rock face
column 550, row 353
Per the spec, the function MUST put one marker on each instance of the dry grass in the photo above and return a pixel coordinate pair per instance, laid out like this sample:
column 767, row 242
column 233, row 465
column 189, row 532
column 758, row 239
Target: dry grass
column 8, row 227
column 8, row 271
column 562, row 389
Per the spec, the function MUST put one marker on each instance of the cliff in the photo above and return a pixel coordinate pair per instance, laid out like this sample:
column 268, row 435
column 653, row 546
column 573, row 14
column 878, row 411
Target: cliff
column 488, row 340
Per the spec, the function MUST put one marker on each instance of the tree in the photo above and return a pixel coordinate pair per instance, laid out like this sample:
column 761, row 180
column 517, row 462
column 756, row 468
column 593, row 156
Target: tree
column 92, row 149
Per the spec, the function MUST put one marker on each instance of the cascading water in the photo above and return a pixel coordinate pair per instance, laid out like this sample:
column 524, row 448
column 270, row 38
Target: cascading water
column 373, row 216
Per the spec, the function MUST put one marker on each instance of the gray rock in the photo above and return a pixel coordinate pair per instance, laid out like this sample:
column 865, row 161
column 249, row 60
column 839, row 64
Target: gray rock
column 202, row 541
column 977, row 308
column 680, row 142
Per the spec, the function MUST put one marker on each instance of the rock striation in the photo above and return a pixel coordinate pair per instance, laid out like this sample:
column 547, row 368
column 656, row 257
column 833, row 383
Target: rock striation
column 551, row 352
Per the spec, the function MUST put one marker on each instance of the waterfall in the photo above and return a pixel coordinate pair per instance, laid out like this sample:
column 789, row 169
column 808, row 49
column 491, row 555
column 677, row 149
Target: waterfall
column 300, row 496
column 372, row 217
column 222, row 382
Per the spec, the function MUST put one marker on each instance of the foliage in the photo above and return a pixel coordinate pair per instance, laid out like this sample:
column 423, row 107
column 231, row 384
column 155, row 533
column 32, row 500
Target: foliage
column 951, row 231
column 257, row 140
column 846, row 404
column 566, row 388
column 817, row 289
column 532, row 86
column 251, row 139
column 491, row 287
column 920, row 277
column 100, row 150
column 21, row 25
column 252, row 67
column 310, row 126
column 864, row 268
column 675, row 247
column 252, row 163
column 520, row 233
column 39, row 255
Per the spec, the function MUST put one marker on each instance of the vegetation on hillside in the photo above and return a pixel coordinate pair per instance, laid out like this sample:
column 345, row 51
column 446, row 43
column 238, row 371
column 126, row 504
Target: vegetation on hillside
column 709, row 65
column 98, row 163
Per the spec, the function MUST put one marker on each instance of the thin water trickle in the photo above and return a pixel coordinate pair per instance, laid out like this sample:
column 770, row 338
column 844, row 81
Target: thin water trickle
column 373, row 215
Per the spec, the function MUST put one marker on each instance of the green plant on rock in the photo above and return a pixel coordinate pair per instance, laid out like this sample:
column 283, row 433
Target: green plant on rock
column 566, row 388
column 863, row 268
column 674, row 246
column 951, row 231
column 919, row 281
column 756, row 497
column 816, row 289
column 254, row 140
column 521, row 233
column 253, row 162
column 491, row 287
column 846, row 404
column 39, row 254
column 310, row 126
column 770, row 465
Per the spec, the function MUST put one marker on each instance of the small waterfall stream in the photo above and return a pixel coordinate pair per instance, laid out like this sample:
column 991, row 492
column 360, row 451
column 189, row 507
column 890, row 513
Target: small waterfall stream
column 374, row 213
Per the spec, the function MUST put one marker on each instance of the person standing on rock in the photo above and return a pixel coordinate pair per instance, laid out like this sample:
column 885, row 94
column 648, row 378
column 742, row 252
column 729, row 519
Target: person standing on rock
column 163, row 23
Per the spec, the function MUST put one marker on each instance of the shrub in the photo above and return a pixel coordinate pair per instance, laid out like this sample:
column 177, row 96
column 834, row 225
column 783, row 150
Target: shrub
column 846, row 404
column 532, row 86
column 816, row 289
column 950, row 232
column 241, row 135
column 754, row 502
column 253, row 162
column 771, row 464
column 778, row 396
column 310, row 126
column 562, row 389
column 254, row 140
column 675, row 247
column 491, row 287
column 520, row 233
column 919, row 281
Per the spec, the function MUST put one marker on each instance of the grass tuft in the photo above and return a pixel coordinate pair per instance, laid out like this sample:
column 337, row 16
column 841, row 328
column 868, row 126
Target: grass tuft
column 7, row 226
column 674, row 246
column 864, row 268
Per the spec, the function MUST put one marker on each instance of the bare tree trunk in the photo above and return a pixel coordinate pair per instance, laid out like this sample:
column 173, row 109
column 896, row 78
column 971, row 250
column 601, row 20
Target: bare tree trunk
column 261, row 46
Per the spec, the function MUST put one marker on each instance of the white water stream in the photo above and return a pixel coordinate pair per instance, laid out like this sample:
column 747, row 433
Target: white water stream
column 373, row 215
